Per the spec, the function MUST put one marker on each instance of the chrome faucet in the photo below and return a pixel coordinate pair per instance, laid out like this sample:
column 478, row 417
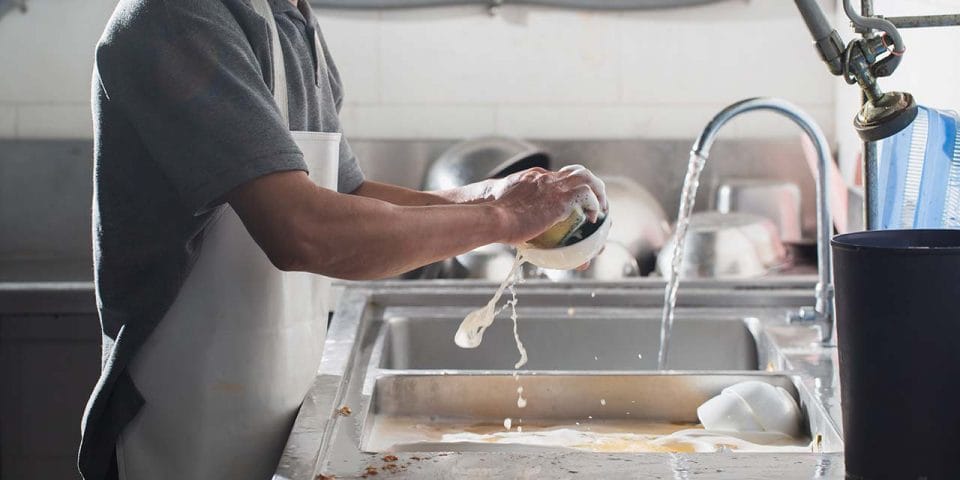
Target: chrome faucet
column 822, row 313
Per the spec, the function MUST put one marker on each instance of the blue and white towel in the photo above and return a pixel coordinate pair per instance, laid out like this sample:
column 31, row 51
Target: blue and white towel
column 920, row 173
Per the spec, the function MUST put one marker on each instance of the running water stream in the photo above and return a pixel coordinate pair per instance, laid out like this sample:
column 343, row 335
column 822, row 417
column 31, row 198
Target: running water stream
column 687, row 198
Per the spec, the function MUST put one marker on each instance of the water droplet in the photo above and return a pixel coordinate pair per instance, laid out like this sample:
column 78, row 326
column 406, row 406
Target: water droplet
column 603, row 402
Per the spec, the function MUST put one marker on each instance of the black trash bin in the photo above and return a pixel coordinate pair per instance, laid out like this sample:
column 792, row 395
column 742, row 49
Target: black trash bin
column 898, row 333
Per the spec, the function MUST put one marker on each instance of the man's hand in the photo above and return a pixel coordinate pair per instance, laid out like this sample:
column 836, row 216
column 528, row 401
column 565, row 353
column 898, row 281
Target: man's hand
column 534, row 200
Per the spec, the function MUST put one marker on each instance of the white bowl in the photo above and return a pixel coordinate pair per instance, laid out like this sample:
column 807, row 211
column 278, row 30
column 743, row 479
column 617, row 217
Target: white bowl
column 571, row 256
column 728, row 413
column 752, row 407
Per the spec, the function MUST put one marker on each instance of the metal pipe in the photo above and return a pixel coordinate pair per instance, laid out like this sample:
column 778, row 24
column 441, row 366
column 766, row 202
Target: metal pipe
column 823, row 311
column 871, row 206
column 920, row 21
column 871, row 179
column 815, row 18
column 825, row 37
column 877, row 23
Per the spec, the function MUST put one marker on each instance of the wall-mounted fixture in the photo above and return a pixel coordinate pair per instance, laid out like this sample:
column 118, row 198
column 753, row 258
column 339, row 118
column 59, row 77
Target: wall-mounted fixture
column 876, row 54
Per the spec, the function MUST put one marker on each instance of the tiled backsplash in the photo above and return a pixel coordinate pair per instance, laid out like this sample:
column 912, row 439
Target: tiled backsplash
column 457, row 72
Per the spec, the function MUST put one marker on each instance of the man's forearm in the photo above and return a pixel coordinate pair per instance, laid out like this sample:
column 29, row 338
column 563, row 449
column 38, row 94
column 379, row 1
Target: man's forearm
column 474, row 193
column 354, row 237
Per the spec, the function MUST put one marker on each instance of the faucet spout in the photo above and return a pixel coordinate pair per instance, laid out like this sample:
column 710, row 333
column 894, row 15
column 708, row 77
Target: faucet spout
column 823, row 310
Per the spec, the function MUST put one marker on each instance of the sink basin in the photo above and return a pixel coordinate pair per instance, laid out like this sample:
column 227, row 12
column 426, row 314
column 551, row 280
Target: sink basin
column 626, row 343
column 412, row 412
column 391, row 371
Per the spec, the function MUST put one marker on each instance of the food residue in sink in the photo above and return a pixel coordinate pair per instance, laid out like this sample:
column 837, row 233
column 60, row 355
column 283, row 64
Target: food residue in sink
column 597, row 436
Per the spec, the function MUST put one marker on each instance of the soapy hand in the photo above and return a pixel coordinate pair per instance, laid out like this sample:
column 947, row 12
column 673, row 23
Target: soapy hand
column 534, row 200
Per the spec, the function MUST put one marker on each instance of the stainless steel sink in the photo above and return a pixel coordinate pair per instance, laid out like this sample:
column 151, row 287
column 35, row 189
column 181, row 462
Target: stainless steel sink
column 577, row 342
column 390, row 360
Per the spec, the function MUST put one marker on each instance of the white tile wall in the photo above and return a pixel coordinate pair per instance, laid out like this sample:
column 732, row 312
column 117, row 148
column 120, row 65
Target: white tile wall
column 667, row 121
column 560, row 74
column 420, row 121
column 721, row 53
column 47, row 53
column 536, row 56
column 455, row 72
column 354, row 38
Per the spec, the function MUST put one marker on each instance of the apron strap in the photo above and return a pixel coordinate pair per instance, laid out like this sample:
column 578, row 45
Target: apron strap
column 262, row 7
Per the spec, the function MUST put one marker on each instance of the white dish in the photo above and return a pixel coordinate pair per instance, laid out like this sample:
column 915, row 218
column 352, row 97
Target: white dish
column 571, row 256
column 752, row 407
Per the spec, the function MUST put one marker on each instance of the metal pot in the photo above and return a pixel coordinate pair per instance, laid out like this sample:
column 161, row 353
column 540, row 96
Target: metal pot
column 727, row 245
column 482, row 158
column 774, row 199
column 641, row 226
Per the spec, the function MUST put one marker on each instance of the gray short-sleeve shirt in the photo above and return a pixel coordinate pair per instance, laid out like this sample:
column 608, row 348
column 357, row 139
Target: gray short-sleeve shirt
column 183, row 114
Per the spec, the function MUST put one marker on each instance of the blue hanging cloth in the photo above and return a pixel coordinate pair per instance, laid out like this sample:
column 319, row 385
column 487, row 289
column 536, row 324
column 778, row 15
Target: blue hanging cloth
column 920, row 173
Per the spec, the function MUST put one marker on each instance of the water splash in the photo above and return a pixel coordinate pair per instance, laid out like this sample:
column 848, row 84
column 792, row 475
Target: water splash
column 470, row 333
column 687, row 199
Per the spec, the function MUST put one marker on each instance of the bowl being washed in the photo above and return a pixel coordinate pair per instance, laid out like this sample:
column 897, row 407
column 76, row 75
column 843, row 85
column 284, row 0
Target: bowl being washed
column 578, row 251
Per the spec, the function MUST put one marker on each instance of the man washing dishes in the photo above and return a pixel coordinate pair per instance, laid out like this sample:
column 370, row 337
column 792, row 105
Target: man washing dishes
column 225, row 196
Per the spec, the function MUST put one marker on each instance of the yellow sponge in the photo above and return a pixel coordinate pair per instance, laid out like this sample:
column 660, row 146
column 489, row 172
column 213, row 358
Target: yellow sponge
column 557, row 234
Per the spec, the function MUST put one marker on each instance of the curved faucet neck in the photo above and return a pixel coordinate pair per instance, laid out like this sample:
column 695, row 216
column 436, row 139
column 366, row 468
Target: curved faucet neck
column 823, row 310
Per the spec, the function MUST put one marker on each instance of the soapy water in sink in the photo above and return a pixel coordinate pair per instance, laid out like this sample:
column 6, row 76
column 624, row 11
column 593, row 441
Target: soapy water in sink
column 688, row 197
column 602, row 436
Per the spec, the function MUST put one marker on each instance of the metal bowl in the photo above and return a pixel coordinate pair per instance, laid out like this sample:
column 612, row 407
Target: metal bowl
column 727, row 245
column 777, row 200
column 482, row 158
column 642, row 226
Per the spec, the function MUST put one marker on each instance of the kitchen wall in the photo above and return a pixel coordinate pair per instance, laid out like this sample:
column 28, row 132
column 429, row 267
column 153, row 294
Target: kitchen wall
column 457, row 72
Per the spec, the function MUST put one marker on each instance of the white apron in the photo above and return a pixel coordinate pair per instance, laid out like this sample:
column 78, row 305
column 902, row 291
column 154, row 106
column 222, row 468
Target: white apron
column 225, row 371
